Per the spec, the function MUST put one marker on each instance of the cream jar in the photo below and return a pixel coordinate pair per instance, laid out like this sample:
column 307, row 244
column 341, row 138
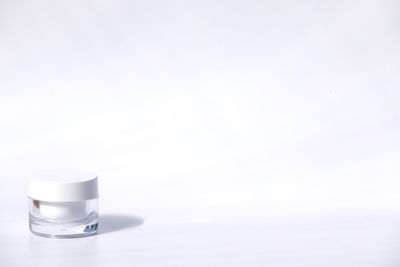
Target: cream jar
column 63, row 204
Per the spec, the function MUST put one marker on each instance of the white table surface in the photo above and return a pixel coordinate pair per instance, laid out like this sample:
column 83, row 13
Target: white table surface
column 224, row 133
column 364, row 240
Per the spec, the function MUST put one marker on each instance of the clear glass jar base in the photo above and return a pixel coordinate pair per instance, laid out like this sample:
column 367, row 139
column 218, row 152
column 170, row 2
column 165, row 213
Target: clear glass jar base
column 63, row 230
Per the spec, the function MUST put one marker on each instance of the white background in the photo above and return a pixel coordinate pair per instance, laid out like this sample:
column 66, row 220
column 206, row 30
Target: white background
column 224, row 133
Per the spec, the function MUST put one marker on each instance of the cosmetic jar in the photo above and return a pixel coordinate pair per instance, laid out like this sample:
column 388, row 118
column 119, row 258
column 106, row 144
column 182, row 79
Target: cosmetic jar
column 63, row 204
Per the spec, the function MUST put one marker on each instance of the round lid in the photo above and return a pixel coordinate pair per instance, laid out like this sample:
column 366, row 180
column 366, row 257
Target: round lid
column 63, row 186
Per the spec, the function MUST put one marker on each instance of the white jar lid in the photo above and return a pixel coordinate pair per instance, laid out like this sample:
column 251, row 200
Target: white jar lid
column 63, row 186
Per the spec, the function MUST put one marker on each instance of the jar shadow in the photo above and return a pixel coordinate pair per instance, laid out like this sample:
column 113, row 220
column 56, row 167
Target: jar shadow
column 115, row 222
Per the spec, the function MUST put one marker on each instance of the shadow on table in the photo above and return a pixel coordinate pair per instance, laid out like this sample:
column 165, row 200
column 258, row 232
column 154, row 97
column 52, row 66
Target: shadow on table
column 113, row 222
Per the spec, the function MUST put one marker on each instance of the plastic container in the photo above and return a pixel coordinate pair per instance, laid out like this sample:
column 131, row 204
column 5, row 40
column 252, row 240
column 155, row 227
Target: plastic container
column 63, row 204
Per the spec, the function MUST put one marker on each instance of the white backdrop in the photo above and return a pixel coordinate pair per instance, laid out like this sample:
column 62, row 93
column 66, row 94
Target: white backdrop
column 205, row 112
